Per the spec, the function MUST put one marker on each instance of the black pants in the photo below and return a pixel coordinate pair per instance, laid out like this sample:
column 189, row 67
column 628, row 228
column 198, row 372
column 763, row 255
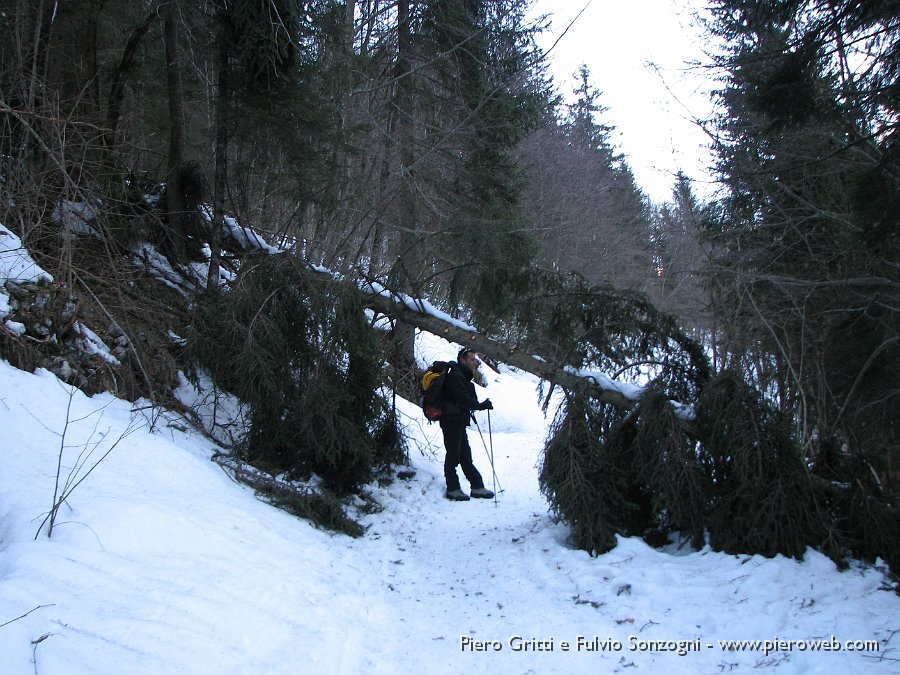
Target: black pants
column 459, row 453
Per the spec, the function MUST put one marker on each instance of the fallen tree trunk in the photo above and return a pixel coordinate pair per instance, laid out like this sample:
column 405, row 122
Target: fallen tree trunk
column 410, row 312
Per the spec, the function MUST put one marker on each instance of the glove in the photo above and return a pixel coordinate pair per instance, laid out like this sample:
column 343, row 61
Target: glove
column 486, row 405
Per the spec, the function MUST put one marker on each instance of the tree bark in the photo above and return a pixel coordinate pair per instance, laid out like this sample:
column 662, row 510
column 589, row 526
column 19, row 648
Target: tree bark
column 117, row 83
column 221, row 170
column 174, row 192
column 404, row 334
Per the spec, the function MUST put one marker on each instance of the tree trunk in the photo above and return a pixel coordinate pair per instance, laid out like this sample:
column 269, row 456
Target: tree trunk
column 403, row 356
column 174, row 192
column 219, row 180
column 117, row 84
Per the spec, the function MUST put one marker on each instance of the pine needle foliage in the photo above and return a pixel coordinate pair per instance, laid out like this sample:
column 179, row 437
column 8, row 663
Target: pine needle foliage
column 737, row 480
column 321, row 508
column 865, row 528
column 672, row 467
column 607, row 472
column 586, row 478
column 297, row 349
column 763, row 499
column 266, row 38
column 600, row 327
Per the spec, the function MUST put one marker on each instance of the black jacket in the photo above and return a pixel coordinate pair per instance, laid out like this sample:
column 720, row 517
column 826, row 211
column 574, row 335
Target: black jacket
column 459, row 393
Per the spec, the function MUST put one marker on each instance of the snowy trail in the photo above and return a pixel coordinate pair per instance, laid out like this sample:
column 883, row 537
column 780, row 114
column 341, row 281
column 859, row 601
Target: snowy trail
column 455, row 569
column 497, row 573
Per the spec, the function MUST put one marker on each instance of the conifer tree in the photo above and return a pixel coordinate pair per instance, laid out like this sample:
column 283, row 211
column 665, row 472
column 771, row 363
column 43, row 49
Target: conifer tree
column 486, row 61
column 583, row 124
column 805, row 282
column 679, row 253
column 298, row 350
column 808, row 151
column 589, row 215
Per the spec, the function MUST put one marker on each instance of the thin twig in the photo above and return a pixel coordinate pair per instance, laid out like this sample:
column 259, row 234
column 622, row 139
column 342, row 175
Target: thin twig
column 26, row 614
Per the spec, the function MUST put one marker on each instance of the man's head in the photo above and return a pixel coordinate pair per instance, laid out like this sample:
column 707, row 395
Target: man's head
column 469, row 358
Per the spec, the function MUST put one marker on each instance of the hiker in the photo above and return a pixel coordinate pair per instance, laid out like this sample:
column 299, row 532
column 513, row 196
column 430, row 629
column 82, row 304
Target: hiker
column 459, row 391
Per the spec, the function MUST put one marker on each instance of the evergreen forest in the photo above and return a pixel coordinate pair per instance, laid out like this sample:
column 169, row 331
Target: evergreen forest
column 213, row 183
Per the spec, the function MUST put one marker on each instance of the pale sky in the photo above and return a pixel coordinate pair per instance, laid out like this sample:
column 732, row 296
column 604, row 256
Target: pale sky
column 651, row 107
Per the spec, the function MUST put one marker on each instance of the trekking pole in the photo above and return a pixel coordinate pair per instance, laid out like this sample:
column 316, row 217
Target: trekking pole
column 490, row 454
column 491, row 439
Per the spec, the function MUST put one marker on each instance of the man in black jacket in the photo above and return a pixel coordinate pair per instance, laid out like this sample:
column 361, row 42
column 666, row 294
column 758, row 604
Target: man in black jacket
column 459, row 392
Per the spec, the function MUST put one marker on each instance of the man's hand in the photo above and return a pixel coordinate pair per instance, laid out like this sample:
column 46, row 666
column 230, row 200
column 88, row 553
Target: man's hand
column 486, row 405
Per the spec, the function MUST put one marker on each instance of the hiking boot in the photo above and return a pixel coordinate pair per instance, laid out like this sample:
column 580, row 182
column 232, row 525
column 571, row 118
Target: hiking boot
column 482, row 493
column 457, row 495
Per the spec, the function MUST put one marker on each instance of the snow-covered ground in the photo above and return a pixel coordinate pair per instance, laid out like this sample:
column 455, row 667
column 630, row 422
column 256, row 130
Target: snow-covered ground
column 160, row 563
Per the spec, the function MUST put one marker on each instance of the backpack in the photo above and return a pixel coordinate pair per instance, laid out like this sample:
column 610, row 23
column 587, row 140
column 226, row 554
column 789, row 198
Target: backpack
column 431, row 390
